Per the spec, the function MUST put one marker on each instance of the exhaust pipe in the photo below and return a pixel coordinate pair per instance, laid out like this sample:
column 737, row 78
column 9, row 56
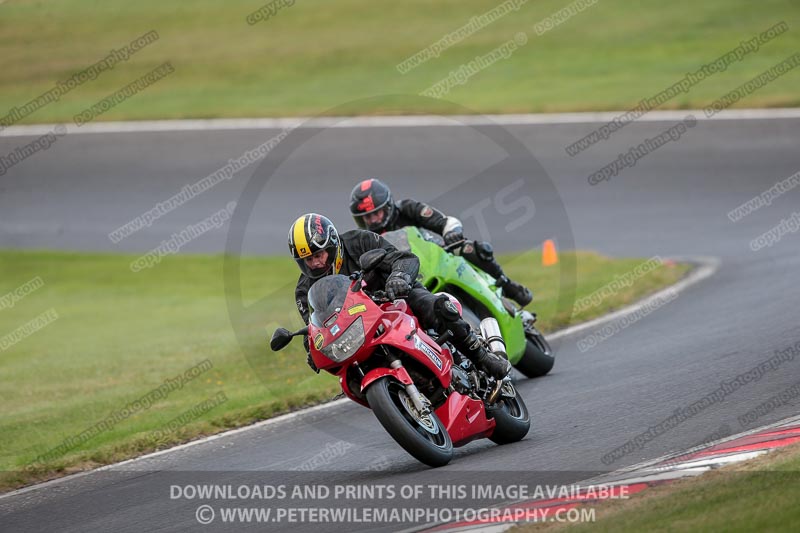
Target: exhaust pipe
column 490, row 330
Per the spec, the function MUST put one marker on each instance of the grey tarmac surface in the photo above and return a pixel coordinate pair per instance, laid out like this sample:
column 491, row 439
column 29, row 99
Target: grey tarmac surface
column 673, row 202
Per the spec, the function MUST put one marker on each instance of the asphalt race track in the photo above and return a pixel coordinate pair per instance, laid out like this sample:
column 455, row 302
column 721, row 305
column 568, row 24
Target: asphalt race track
column 673, row 202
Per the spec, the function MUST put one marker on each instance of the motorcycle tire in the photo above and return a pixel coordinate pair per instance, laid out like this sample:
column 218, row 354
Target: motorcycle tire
column 538, row 358
column 431, row 445
column 511, row 419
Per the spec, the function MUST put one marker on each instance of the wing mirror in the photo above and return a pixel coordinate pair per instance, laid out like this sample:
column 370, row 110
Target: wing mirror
column 282, row 337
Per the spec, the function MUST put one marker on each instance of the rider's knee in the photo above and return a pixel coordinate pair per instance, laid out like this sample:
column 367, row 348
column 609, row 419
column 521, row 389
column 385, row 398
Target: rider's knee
column 447, row 308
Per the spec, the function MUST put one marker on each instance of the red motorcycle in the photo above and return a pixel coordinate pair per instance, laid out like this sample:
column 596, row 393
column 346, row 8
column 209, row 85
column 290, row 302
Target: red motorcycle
column 427, row 395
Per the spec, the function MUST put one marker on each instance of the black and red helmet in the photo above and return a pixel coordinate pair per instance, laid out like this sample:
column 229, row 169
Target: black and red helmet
column 371, row 196
column 308, row 235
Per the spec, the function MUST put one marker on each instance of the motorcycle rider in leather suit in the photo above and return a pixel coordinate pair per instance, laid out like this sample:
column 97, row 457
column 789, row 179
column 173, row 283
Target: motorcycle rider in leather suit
column 319, row 250
column 373, row 208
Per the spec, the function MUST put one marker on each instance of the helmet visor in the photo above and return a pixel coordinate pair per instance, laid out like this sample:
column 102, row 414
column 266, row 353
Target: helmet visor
column 373, row 220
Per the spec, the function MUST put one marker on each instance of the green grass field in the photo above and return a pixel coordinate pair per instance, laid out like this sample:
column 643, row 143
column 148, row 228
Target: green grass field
column 760, row 495
column 120, row 335
column 316, row 55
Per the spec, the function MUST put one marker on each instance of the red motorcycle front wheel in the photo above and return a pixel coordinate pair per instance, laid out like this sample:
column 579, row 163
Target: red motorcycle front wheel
column 423, row 436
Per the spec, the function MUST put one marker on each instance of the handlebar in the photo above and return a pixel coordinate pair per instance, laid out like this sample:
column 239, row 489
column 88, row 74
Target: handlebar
column 455, row 245
column 356, row 277
column 380, row 297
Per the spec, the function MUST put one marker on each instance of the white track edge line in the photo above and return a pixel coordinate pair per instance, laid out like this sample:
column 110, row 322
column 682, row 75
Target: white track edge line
column 707, row 267
column 637, row 473
column 792, row 420
column 150, row 126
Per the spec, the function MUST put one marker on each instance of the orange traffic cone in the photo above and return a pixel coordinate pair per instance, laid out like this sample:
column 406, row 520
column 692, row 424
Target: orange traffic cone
column 549, row 254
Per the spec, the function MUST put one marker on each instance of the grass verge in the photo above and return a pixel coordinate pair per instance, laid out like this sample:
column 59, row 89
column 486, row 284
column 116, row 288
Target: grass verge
column 315, row 55
column 117, row 336
column 758, row 495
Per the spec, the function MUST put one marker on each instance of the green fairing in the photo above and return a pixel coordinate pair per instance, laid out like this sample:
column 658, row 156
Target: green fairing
column 442, row 271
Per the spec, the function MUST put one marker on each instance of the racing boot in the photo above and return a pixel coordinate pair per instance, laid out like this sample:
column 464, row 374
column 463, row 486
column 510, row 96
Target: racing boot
column 511, row 289
column 494, row 365
column 468, row 343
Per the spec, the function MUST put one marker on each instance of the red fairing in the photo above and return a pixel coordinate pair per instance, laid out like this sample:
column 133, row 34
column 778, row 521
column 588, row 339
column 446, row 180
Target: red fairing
column 459, row 409
column 436, row 359
column 400, row 374
column 389, row 331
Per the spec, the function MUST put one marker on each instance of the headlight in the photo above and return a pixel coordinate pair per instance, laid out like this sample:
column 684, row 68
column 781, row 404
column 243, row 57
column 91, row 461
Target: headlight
column 347, row 344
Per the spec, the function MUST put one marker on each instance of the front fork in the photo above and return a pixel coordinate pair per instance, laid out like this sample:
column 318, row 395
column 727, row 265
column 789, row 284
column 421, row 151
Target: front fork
column 398, row 372
column 420, row 402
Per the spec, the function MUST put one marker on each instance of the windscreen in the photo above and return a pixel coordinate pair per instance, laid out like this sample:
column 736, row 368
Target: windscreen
column 431, row 236
column 325, row 296
column 399, row 239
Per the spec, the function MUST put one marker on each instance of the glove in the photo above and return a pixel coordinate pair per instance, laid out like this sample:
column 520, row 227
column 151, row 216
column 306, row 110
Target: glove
column 311, row 363
column 453, row 236
column 397, row 285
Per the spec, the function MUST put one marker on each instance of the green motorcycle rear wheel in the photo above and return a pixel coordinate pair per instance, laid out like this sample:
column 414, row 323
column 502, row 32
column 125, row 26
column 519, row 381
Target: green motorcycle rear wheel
column 538, row 358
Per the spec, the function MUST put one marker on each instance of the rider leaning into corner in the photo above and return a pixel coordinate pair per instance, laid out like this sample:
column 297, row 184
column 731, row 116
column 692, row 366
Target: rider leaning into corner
column 320, row 251
column 373, row 208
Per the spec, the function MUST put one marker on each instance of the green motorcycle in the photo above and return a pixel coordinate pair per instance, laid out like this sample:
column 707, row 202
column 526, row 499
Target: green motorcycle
column 440, row 271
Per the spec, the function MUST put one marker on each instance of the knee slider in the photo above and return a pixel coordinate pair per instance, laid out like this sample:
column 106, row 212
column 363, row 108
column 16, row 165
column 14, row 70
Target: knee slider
column 446, row 309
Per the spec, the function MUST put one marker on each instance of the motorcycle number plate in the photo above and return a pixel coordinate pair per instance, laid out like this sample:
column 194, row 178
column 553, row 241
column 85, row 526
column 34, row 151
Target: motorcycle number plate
column 427, row 350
